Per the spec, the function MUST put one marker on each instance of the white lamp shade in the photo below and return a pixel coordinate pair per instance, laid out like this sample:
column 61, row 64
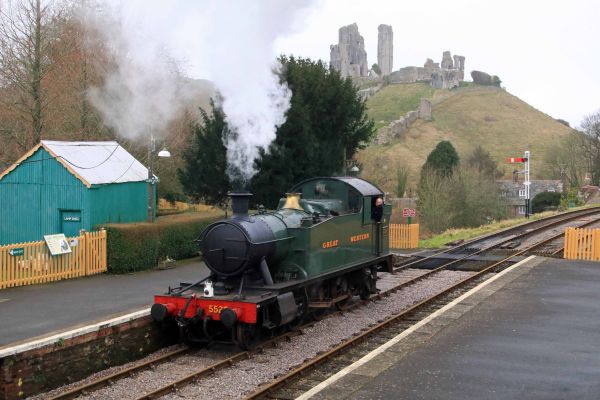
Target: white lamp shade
column 164, row 153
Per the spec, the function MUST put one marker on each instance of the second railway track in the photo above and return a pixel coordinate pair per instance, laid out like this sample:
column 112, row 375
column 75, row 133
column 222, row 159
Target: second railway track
column 406, row 285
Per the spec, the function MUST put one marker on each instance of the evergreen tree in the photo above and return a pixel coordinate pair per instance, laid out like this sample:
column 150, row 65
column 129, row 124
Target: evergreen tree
column 204, row 174
column 327, row 122
column 442, row 160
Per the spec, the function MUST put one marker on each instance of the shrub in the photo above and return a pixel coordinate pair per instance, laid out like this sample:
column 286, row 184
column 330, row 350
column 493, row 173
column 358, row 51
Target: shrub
column 140, row 246
column 545, row 200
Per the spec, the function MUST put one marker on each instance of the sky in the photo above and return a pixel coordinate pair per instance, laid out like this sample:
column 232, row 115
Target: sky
column 545, row 52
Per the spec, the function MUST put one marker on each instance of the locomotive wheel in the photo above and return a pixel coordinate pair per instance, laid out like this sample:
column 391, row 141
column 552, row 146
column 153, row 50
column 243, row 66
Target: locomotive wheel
column 318, row 294
column 342, row 289
column 368, row 284
column 302, row 302
column 247, row 336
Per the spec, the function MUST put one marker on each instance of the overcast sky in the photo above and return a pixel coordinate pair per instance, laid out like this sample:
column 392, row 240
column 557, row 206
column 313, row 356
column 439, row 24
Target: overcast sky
column 545, row 52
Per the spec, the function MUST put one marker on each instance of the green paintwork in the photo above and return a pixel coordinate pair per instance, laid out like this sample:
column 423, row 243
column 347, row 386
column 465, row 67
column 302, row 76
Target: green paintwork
column 313, row 249
column 41, row 197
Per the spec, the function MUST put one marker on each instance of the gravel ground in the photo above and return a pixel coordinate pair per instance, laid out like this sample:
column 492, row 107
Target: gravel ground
column 145, row 381
column 245, row 376
column 249, row 374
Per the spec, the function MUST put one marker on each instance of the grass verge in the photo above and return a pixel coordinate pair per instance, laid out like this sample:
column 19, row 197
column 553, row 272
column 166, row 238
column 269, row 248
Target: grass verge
column 451, row 235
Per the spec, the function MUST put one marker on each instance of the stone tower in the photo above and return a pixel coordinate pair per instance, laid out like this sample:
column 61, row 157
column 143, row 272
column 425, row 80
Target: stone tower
column 349, row 56
column 385, row 49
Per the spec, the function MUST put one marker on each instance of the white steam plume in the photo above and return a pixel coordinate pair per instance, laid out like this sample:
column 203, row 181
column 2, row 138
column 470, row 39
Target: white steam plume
column 231, row 42
column 143, row 91
column 242, row 66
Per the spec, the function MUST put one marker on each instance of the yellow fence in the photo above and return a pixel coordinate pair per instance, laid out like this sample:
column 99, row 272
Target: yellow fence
column 31, row 263
column 404, row 236
column 582, row 244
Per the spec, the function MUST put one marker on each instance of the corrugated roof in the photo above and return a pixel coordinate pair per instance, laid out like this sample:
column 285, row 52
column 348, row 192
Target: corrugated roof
column 98, row 163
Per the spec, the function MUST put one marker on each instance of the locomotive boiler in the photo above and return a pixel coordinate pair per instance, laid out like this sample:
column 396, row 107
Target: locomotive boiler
column 319, row 248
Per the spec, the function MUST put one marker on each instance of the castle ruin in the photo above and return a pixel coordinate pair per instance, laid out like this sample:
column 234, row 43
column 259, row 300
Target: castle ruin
column 444, row 75
column 385, row 49
column 349, row 56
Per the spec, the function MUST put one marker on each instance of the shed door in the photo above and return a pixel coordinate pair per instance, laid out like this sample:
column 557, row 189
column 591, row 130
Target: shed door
column 70, row 222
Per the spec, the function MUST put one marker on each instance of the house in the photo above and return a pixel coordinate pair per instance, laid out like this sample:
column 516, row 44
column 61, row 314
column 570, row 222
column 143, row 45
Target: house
column 514, row 193
column 63, row 187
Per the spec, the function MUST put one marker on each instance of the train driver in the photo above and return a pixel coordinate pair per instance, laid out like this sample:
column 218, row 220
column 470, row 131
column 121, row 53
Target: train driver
column 377, row 209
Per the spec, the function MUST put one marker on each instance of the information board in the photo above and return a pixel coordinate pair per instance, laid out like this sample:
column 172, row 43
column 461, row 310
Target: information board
column 57, row 244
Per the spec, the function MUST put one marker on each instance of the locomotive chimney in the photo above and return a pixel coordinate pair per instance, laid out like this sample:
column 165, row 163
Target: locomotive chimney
column 239, row 203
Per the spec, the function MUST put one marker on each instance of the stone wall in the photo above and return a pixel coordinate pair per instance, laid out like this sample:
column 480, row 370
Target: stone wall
column 396, row 128
column 41, row 369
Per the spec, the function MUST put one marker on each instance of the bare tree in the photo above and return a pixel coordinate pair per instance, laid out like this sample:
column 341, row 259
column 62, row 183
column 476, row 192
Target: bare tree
column 591, row 144
column 26, row 43
column 569, row 159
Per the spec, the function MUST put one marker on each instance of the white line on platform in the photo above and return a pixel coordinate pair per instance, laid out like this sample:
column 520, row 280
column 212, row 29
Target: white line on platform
column 368, row 357
column 3, row 300
column 34, row 344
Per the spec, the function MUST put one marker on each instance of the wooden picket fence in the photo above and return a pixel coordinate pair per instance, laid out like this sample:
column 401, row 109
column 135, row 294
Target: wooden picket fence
column 582, row 244
column 37, row 265
column 404, row 236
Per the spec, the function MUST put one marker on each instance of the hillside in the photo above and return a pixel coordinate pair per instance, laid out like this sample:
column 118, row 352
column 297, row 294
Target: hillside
column 501, row 123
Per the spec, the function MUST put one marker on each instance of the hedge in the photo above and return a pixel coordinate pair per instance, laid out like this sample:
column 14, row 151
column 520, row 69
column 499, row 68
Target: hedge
column 545, row 200
column 140, row 246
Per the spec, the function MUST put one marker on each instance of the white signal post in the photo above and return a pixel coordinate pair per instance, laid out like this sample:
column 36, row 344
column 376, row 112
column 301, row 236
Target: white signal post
column 527, row 183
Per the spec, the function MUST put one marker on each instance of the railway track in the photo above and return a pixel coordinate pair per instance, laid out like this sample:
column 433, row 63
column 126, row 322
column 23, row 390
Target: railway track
column 412, row 278
column 409, row 316
column 518, row 231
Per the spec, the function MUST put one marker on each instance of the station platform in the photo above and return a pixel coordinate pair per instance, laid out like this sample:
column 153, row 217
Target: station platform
column 36, row 311
column 532, row 333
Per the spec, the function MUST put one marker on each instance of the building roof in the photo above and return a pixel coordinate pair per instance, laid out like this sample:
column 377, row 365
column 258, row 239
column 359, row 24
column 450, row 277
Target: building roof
column 364, row 187
column 94, row 163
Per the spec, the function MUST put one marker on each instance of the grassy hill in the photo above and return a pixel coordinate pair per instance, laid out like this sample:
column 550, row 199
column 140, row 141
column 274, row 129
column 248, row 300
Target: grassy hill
column 468, row 116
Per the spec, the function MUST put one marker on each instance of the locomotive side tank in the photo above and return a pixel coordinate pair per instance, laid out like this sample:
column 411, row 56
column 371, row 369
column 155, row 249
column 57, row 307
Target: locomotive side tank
column 319, row 248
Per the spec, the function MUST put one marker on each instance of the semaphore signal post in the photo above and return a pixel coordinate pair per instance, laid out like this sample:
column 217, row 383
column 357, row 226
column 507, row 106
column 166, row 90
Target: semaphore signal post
column 526, row 160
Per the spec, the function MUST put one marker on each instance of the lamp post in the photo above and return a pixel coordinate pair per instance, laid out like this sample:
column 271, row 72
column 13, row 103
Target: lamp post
column 164, row 153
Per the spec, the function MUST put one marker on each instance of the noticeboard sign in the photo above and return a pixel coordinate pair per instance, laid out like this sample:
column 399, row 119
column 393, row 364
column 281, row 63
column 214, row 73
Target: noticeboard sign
column 17, row 251
column 57, row 244
column 409, row 212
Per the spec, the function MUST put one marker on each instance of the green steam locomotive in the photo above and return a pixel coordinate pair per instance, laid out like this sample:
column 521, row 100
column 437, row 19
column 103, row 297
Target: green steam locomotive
column 322, row 246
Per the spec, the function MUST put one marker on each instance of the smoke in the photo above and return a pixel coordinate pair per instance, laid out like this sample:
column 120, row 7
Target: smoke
column 230, row 42
column 143, row 90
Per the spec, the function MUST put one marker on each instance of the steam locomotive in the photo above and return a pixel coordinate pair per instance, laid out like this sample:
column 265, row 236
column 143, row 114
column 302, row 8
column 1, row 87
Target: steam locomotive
column 270, row 270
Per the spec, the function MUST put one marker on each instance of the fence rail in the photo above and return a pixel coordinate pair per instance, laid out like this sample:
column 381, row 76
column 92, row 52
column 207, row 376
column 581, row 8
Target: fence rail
column 582, row 244
column 404, row 236
column 30, row 263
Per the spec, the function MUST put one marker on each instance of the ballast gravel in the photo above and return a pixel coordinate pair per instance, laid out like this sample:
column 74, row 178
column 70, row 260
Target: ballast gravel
column 245, row 376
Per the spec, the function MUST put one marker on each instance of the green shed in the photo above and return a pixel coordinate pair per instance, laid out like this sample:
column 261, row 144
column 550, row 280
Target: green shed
column 63, row 187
